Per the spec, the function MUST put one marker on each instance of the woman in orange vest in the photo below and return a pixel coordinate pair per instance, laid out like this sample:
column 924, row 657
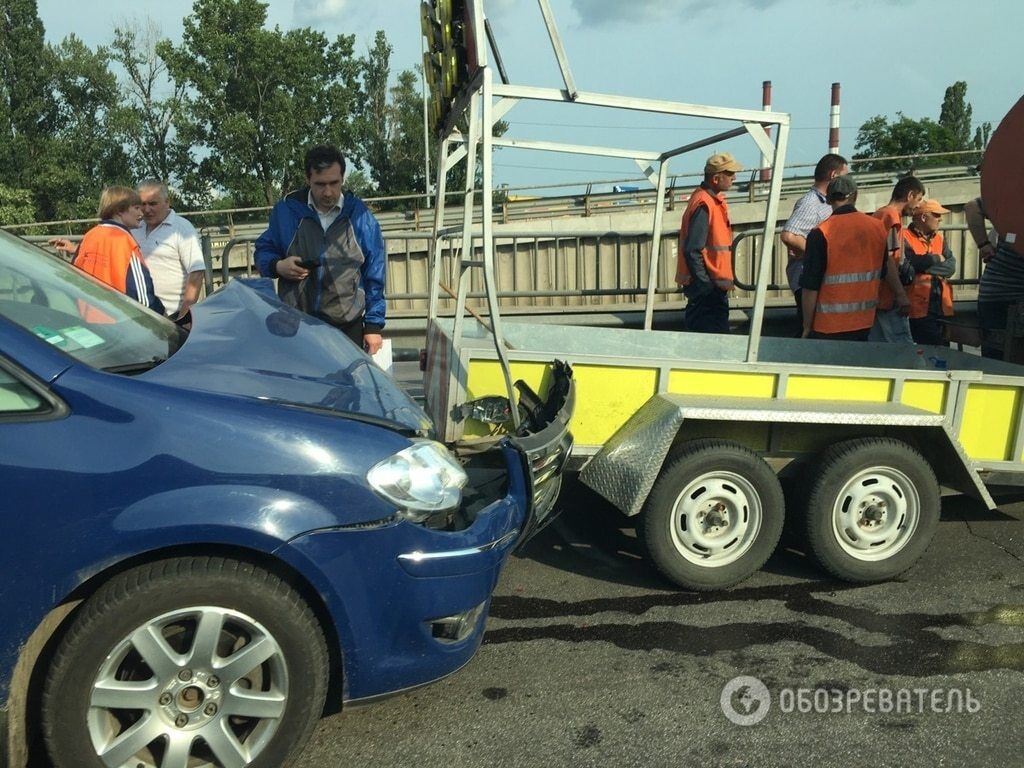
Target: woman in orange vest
column 931, row 295
column 704, row 265
column 108, row 251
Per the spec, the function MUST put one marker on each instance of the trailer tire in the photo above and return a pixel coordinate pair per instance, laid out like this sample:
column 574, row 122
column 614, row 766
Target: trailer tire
column 872, row 509
column 714, row 515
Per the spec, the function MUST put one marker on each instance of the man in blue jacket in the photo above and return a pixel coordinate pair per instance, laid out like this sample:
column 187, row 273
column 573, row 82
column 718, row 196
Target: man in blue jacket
column 327, row 252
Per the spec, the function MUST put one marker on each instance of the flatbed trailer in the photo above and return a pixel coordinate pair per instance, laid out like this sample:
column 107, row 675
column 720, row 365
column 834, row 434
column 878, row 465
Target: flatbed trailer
column 684, row 432
column 697, row 435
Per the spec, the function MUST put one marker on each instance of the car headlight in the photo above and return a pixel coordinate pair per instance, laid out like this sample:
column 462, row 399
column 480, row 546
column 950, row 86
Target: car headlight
column 420, row 480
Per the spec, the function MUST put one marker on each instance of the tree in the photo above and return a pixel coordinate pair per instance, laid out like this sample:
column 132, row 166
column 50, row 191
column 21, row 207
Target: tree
column 877, row 138
column 83, row 153
column 257, row 99
column 55, row 144
column 26, row 110
column 373, row 122
column 144, row 119
column 406, row 134
column 16, row 206
column 955, row 115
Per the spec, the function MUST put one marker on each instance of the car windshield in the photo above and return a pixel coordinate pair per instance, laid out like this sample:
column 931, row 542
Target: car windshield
column 88, row 320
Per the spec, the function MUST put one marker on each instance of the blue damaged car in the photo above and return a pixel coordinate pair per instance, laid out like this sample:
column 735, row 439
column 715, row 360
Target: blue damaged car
column 210, row 537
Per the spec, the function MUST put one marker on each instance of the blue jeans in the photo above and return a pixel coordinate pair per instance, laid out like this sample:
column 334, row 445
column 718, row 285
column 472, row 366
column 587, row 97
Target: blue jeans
column 891, row 326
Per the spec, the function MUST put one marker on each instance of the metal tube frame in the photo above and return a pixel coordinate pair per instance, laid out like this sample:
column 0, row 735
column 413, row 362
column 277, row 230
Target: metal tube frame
column 488, row 102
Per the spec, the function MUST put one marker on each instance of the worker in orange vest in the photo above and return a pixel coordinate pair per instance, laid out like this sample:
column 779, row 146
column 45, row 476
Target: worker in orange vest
column 704, row 266
column 891, row 323
column 931, row 295
column 845, row 264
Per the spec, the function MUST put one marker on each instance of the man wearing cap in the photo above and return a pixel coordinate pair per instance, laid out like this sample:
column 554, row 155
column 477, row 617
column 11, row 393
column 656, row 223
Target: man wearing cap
column 704, row 266
column 845, row 262
column 931, row 296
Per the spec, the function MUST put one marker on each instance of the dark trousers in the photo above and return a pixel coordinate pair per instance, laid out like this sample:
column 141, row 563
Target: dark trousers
column 927, row 330
column 861, row 335
column 992, row 317
column 708, row 312
column 354, row 331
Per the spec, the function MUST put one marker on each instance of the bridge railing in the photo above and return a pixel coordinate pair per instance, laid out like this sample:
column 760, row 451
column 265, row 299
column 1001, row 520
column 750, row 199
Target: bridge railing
column 573, row 271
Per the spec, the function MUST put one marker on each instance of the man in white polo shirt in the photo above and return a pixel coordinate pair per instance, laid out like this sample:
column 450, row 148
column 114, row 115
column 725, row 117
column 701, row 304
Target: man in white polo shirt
column 171, row 248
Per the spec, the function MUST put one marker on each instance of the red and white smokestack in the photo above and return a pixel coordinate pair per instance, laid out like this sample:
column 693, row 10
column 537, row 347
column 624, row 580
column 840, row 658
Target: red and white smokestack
column 766, row 105
column 833, row 123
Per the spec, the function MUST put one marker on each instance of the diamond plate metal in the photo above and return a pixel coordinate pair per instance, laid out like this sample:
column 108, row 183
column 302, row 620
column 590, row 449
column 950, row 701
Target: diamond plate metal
column 625, row 469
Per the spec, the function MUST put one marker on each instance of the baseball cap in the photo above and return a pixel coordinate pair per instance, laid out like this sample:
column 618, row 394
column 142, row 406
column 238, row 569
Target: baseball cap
column 841, row 187
column 931, row 206
column 722, row 162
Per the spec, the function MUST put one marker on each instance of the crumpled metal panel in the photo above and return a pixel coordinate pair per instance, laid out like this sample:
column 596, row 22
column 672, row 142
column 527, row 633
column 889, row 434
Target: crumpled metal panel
column 630, row 461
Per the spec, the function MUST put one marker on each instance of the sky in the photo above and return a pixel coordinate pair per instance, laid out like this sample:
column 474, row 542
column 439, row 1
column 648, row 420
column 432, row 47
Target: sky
column 889, row 56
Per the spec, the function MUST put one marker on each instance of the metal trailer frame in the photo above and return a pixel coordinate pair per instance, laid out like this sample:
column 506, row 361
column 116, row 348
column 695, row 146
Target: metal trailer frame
column 486, row 102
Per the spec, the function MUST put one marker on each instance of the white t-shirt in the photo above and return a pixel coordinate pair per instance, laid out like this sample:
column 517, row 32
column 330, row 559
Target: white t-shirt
column 172, row 251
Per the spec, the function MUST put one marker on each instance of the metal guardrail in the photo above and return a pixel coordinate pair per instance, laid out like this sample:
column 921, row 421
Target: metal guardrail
column 575, row 271
column 570, row 270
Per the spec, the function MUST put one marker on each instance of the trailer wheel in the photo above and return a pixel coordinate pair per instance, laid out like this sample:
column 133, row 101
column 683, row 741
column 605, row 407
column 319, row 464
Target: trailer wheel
column 872, row 509
column 713, row 516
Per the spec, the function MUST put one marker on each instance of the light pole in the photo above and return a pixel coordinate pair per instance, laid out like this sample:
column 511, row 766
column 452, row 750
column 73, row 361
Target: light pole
column 426, row 121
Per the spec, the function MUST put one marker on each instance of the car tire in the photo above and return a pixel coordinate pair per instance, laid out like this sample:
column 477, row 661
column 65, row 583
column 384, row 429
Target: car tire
column 192, row 661
column 714, row 515
column 872, row 509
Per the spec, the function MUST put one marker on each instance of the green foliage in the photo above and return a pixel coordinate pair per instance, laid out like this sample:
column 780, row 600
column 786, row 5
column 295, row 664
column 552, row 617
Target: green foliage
column 26, row 110
column 257, row 99
column 16, row 205
column 143, row 120
column 82, row 154
column 924, row 140
column 225, row 117
column 54, row 135
column 955, row 115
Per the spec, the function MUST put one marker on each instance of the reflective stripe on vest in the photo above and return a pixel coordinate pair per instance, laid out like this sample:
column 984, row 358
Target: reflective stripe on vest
column 717, row 252
column 848, row 295
column 921, row 291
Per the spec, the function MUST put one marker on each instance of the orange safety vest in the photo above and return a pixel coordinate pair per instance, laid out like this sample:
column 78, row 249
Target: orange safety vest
column 893, row 220
column 717, row 252
column 849, row 290
column 921, row 291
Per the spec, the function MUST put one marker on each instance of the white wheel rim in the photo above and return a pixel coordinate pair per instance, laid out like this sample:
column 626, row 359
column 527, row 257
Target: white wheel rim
column 200, row 686
column 876, row 514
column 716, row 519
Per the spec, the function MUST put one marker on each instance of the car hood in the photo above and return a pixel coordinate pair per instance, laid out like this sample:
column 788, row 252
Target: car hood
column 245, row 342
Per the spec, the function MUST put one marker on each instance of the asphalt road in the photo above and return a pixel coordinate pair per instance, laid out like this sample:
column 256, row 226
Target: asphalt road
column 591, row 659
